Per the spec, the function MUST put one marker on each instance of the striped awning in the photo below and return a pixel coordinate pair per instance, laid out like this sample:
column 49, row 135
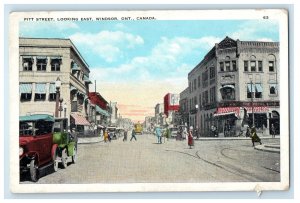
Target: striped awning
column 25, row 88
column 101, row 111
column 251, row 89
column 55, row 57
column 52, row 88
column 222, row 111
column 41, row 57
column 80, row 120
column 258, row 88
column 227, row 86
column 257, row 109
column 40, row 88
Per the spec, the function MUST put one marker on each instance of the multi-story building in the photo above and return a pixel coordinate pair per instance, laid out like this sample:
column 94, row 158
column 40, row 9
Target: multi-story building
column 235, row 84
column 183, row 107
column 44, row 61
column 101, row 118
column 171, row 106
column 113, row 113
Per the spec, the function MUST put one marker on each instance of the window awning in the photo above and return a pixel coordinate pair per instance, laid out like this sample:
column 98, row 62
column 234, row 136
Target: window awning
column 227, row 86
column 52, row 88
column 40, row 88
column 72, row 88
column 75, row 67
column 26, row 88
column 101, row 111
column 86, row 79
column 55, row 57
column 27, row 57
column 258, row 87
column 223, row 111
column 80, row 120
column 41, row 57
column 251, row 89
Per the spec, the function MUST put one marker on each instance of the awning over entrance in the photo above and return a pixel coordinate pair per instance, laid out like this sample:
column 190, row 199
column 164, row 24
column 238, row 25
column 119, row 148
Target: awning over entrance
column 227, row 86
column 257, row 109
column 101, row 111
column 80, row 120
column 222, row 111
column 26, row 88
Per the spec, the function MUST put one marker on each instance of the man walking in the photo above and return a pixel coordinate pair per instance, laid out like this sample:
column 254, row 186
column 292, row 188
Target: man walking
column 133, row 135
column 158, row 134
column 273, row 131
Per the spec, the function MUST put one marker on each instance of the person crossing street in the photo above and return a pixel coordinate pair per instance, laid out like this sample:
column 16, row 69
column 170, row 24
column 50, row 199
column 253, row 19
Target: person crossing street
column 133, row 135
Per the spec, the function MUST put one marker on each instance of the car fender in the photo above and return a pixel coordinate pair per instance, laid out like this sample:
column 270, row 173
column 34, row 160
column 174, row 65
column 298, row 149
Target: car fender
column 53, row 150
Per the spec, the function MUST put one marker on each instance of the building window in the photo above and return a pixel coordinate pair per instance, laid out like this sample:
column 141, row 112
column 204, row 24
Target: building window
column 199, row 81
column 246, row 69
column 39, row 97
column 195, row 84
column 221, row 67
column 52, row 97
column 260, row 66
column 26, row 96
column 41, row 63
column 190, row 87
column 228, row 92
column 255, row 89
column 200, row 101
column 205, row 79
column 271, row 66
column 212, row 72
column 273, row 88
column 253, row 66
column 227, row 65
column 205, row 97
column 27, row 63
column 55, row 64
column 234, row 66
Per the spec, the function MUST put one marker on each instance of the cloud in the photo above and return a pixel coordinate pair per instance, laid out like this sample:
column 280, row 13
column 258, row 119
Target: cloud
column 255, row 30
column 31, row 28
column 109, row 45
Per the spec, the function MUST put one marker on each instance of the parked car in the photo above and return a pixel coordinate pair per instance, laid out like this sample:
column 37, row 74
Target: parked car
column 36, row 148
column 66, row 143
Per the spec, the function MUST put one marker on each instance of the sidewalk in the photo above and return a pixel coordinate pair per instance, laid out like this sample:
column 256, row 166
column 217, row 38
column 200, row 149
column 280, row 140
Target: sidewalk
column 234, row 138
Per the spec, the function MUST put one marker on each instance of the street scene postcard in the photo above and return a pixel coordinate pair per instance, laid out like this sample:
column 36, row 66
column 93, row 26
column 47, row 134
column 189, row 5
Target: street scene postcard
column 149, row 101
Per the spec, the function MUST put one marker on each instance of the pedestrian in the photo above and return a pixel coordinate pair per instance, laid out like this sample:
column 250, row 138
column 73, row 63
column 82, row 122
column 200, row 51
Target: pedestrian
column 133, row 135
column 254, row 137
column 125, row 136
column 190, row 138
column 158, row 134
column 273, row 130
column 105, row 135
column 184, row 133
column 248, row 133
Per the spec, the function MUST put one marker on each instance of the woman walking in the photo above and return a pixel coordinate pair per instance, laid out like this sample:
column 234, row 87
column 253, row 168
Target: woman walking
column 254, row 136
column 190, row 138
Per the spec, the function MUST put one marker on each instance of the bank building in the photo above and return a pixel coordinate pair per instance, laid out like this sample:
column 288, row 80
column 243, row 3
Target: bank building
column 235, row 85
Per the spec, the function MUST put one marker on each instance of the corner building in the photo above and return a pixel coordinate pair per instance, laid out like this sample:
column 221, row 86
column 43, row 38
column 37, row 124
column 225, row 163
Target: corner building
column 41, row 62
column 236, row 82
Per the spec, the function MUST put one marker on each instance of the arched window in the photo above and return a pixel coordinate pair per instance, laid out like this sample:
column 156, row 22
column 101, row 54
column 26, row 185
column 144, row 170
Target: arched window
column 271, row 60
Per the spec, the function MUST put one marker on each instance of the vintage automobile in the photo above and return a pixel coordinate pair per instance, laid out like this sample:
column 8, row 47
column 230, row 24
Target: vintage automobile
column 36, row 148
column 112, row 132
column 65, row 142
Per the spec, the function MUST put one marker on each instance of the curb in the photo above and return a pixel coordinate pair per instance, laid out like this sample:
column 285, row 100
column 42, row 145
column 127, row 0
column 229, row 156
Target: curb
column 89, row 140
column 268, row 148
column 231, row 138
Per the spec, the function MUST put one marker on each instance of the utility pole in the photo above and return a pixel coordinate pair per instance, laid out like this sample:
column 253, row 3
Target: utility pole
column 252, row 104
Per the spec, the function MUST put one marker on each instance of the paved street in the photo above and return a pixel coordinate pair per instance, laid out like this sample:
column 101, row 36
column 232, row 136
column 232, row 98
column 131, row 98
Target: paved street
column 145, row 161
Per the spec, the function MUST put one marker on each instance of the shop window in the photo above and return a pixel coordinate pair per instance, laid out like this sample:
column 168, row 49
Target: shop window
column 246, row 69
column 260, row 66
column 55, row 64
column 27, row 64
column 26, row 96
column 253, row 66
column 234, row 68
column 41, row 64
column 222, row 66
column 271, row 66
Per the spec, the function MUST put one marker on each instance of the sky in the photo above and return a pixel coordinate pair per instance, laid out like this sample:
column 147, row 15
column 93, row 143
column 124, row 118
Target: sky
column 136, row 63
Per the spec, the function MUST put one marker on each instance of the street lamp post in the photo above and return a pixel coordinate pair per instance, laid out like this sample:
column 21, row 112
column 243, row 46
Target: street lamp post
column 57, row 86
column 60, row 106
column 65, row 109
column 252, row 104
column 197, row 129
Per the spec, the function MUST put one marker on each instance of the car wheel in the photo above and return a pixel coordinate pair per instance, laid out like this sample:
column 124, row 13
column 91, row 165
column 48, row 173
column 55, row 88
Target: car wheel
column 34, row 171
column 74, row 157
column 55, row 161
column 64, row 158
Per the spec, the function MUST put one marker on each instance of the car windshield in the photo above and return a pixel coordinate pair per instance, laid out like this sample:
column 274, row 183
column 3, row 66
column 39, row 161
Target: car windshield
column 39, row 127
column 26, row 128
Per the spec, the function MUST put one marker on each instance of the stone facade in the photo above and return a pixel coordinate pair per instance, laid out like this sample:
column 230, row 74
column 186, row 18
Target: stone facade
column 234, row 78
column 41, row 62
